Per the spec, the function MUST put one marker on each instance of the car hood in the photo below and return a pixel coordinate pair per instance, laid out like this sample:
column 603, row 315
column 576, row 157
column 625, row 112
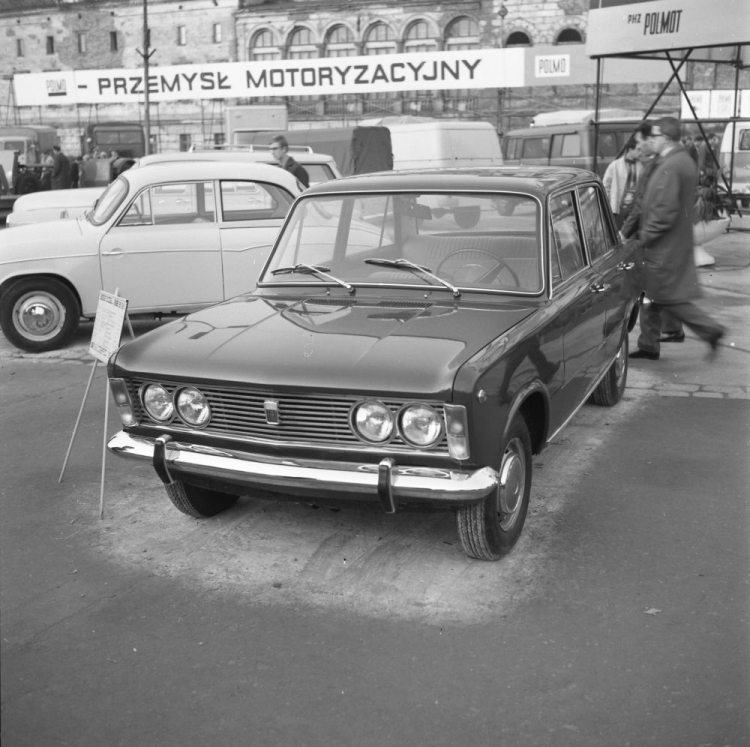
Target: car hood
column 38, row 239
column 395, row 346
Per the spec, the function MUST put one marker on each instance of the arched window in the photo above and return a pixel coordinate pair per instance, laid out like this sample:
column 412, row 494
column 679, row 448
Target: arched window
column 569, row 36
column 418, row 38
column 518, row 39
column 379, row 39
column 263, row 47
column 301, row 46
column 462, row 33
column 340, row 42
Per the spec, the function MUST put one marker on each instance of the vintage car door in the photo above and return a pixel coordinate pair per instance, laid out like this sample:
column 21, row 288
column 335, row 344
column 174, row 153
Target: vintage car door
column 609, row 259
column 581, row 306
column 163, row 252
column 251, row 214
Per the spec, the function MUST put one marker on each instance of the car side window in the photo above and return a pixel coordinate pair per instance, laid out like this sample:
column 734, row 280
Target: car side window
column 566, row 234
column 245, row 200
column 175, row 204
column 139, row 212
column 571, row 146
column 536, row 147
column 599, row 238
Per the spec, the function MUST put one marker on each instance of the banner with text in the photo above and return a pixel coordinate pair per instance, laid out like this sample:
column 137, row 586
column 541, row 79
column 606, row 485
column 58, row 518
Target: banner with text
column 618, row 27
column 465, row 69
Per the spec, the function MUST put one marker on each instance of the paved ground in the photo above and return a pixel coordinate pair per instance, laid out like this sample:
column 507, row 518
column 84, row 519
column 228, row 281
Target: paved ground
column 621, row 618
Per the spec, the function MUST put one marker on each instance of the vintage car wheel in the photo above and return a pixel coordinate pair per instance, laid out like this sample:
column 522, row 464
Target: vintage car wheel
column 488, row 530
column 39, row 314
column 199, row 503
column 610, row 389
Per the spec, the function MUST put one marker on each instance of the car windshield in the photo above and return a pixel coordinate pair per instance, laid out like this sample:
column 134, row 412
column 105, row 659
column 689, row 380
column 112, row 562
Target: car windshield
column 109, row 201
column 476, row 241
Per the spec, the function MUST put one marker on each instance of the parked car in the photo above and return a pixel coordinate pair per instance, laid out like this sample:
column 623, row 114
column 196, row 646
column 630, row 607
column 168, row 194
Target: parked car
column 71, row 203
column 172, row 238
column 390, row 355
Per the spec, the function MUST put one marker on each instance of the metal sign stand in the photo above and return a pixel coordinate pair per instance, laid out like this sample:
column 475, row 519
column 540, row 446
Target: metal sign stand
column 111, row 314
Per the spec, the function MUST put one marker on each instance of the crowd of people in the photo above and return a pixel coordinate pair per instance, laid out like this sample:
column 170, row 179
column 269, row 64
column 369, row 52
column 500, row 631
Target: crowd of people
column 657, row 205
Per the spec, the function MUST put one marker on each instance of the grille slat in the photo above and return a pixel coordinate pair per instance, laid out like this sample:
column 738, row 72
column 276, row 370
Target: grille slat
column 312, row 419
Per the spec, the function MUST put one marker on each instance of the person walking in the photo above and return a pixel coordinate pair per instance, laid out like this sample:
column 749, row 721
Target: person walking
column 666, row 230
column 280, row 151
column 672, row 330
column 60, row 169
column 620, row 181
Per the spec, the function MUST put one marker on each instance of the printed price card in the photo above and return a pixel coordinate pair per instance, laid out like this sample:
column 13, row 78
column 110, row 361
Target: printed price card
column 110, row 316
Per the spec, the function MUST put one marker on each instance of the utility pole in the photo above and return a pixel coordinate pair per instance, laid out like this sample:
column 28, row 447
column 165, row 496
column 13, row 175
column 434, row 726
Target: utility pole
column 146, row 54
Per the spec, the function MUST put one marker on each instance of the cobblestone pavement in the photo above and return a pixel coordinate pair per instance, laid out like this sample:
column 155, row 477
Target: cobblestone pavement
column 682, row 370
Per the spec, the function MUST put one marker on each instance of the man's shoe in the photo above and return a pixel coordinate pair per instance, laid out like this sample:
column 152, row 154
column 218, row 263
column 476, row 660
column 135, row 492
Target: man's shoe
column 645, row 354
column 714, row 344
column 673, row 337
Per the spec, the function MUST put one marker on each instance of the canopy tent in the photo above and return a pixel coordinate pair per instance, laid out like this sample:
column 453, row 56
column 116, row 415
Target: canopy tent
column 677, row 31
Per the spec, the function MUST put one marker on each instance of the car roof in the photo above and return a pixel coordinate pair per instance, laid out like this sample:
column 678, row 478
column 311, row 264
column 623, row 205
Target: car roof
column 177, row 171
column 230, row 156
column 536, row 181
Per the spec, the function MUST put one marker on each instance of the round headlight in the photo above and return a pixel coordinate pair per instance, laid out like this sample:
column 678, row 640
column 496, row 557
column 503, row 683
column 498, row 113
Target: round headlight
column 420, row 425
column 373, row 421
column 193, row 407
column 158, row 402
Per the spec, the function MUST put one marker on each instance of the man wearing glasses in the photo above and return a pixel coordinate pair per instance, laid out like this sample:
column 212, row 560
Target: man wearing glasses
column 666, row 230
column 280, row 151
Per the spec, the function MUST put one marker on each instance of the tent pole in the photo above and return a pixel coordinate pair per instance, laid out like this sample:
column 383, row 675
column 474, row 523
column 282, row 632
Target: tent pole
column 597, row 106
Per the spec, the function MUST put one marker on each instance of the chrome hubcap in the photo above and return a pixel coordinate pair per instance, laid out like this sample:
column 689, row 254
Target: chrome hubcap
column 512, row 483
column 38, row 316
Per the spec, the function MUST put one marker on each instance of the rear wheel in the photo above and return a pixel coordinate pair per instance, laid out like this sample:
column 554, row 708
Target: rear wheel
column 488, row 530
column 199, row 503
column 39, row 314
column 610, row 389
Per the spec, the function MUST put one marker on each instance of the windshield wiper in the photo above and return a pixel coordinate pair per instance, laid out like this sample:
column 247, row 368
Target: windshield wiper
column 408, row 265
column 319, row 270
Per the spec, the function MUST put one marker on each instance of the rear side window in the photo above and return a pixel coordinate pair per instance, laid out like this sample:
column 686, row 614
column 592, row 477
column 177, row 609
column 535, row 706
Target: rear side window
column 744, row 140
column 511, row 148
column 241, row 200
column 608, row 144
column 595, row 227
column 566, row 234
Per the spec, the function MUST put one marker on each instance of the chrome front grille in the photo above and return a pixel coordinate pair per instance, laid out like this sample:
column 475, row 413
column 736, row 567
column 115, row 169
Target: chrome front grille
column 303, row 419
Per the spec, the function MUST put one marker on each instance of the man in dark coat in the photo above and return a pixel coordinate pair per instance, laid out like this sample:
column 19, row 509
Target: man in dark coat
column 666, row 230
column 60, row 169
column 280, row 151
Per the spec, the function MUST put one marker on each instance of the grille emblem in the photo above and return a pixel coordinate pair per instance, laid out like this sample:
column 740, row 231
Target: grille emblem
column 271, row 406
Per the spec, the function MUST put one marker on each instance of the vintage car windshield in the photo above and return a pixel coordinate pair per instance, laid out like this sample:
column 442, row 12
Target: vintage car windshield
column 109, row 202
column 479, row 241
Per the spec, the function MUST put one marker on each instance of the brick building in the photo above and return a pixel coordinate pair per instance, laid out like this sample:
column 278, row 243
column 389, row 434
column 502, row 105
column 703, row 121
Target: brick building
column 47, row 35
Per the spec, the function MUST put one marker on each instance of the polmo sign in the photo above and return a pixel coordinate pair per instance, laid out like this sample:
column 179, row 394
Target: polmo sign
column 465, row 69
column 623, row 27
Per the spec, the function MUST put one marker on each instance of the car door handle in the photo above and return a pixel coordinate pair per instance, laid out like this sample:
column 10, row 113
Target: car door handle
column 626, row 266
column 599, row 287
column 116, row 252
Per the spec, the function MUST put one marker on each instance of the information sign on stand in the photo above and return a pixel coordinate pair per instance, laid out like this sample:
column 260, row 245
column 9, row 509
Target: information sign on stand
column 111, row 314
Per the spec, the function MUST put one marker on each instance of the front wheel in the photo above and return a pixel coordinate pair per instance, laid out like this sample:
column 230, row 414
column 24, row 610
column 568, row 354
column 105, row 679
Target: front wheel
column 488, row 530
column 610, row 389
column 39, row 314
column 199, row 503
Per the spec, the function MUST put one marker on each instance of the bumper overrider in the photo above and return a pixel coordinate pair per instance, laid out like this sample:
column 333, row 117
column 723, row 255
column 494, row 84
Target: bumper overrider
column 386, row 481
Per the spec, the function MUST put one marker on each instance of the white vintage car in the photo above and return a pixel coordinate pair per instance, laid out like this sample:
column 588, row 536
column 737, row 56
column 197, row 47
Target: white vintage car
column 171, row 238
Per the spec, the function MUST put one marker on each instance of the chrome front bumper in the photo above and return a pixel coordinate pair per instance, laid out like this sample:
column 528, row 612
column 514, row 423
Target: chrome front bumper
column 386, row 481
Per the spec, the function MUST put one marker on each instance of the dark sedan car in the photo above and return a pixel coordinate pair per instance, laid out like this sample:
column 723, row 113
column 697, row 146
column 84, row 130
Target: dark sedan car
column 414, row 339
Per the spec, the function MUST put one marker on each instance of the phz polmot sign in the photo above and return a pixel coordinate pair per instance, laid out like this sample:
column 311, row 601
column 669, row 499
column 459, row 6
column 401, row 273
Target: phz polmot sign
column 620, row 27
column 450, row 70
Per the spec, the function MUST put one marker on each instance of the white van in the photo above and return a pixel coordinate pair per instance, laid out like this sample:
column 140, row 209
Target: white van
column 741, row 167
column 444, row 143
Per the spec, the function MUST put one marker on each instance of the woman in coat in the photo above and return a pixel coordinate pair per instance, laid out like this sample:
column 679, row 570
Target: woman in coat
column 669, row 275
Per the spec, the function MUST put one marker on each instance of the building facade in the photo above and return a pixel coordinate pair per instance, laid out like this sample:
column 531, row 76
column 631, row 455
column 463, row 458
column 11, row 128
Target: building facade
column 49, row 35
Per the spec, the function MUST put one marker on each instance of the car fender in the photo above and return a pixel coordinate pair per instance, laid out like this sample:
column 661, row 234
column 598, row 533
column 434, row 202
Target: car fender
column 532, row 399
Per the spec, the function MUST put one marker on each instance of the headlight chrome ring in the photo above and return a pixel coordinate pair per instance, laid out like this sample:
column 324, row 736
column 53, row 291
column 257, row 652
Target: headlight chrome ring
column 420, row 425
column 157, row 402
column 372, row 421
column 193, row 407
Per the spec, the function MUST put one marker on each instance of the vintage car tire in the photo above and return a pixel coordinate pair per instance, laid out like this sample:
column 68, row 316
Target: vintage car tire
column 610, row 389
column 488, row 530
column 200, row 503
column 60, row 318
